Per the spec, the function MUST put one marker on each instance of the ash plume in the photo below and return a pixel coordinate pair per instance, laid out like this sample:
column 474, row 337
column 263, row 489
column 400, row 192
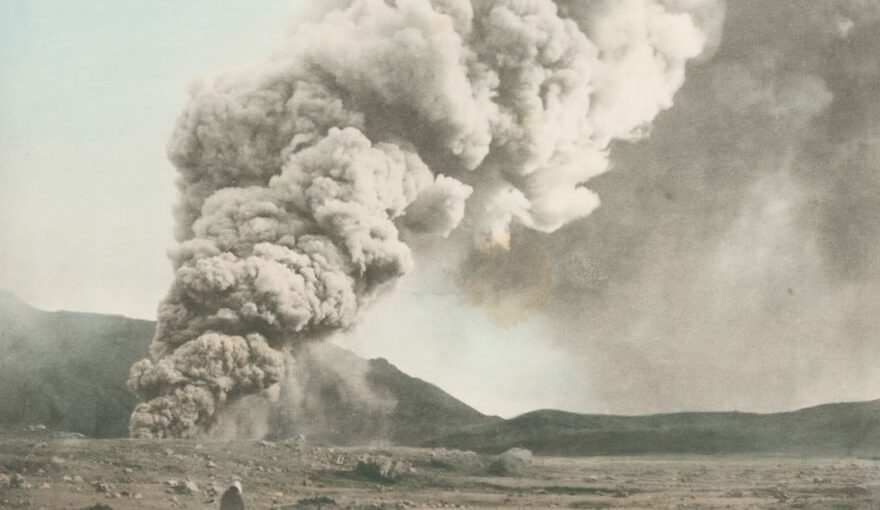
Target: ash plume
column 378, row 121
column 733, row 264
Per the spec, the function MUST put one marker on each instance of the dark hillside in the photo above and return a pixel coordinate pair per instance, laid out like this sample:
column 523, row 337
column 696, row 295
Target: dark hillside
column 831, row 429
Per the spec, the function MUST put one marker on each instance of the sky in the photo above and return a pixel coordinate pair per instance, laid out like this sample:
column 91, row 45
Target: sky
column 89, row 94
column 731, row 265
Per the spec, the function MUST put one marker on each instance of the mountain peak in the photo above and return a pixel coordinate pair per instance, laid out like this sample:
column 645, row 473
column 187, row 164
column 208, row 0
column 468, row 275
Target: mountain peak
column 12, row 303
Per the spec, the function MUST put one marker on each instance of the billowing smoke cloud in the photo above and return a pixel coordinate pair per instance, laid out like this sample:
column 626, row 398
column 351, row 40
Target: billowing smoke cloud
column 327, row 396
column 733, row 264
column 378, row 120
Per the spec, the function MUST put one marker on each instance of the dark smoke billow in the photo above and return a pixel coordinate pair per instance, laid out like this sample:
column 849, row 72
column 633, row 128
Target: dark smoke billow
column 300, row 178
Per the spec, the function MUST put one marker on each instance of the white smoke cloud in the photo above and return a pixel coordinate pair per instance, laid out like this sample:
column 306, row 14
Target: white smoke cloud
column 297, row 176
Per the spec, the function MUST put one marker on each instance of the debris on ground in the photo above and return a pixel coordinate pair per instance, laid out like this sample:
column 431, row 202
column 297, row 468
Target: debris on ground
column 315, row 477
column 513, row 462
column 103, row 487
column 185, row 487
column 455, row 460
column 16, row 481
column 316, row 503
column 381, row 468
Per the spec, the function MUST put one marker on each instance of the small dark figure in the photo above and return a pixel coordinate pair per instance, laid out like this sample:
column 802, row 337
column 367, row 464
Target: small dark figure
column 231, row 499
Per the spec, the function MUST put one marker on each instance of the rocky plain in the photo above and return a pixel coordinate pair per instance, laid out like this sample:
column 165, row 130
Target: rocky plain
column 41, row 469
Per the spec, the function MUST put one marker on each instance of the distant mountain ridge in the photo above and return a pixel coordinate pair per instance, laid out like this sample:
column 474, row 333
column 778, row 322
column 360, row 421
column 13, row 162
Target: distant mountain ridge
column 829, row 429
column 68, row 370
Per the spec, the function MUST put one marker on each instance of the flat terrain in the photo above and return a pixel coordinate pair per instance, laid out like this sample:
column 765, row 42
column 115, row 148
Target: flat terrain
column 65, row 471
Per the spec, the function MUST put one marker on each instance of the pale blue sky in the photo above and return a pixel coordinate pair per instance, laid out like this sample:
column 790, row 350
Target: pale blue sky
column 89, row 91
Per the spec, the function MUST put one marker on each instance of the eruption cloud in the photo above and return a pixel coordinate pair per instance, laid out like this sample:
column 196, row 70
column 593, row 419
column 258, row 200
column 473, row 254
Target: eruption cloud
column 734, row 265
column 301, row 178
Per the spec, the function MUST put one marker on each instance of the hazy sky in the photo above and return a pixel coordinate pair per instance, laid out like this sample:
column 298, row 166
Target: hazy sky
column 732, row 264
column 89, row 92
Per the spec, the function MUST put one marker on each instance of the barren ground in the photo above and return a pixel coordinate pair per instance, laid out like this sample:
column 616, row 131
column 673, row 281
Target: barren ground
column 66, row 471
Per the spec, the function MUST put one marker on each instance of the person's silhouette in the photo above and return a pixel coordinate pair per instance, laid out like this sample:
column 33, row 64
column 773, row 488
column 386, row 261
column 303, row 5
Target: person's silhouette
column 231, row 499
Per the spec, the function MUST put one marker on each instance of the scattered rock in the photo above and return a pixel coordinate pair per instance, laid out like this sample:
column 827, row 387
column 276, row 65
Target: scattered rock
column 848, row 491
column 513, row 462
column 70, row 435
column 777, row 493
column 103, row 487
column 186, row 487
column 458, row 461
column 16, row 481
column 315, row 502
column 381, row 469
column 98, row 506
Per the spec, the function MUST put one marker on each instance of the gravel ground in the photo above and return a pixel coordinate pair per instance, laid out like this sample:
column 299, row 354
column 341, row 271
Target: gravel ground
column 42, row 469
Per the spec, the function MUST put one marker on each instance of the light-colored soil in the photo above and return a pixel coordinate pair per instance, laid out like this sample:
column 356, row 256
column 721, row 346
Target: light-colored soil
column 57, row 471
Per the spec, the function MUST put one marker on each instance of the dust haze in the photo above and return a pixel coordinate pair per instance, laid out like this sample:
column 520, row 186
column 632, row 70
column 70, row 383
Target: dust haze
column 732, row 264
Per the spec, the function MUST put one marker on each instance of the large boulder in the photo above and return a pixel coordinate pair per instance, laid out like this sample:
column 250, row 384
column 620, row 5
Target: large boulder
column 513, row 462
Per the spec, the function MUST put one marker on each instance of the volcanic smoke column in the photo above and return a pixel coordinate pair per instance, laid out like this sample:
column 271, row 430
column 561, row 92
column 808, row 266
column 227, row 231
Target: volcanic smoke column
column 298, row 177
